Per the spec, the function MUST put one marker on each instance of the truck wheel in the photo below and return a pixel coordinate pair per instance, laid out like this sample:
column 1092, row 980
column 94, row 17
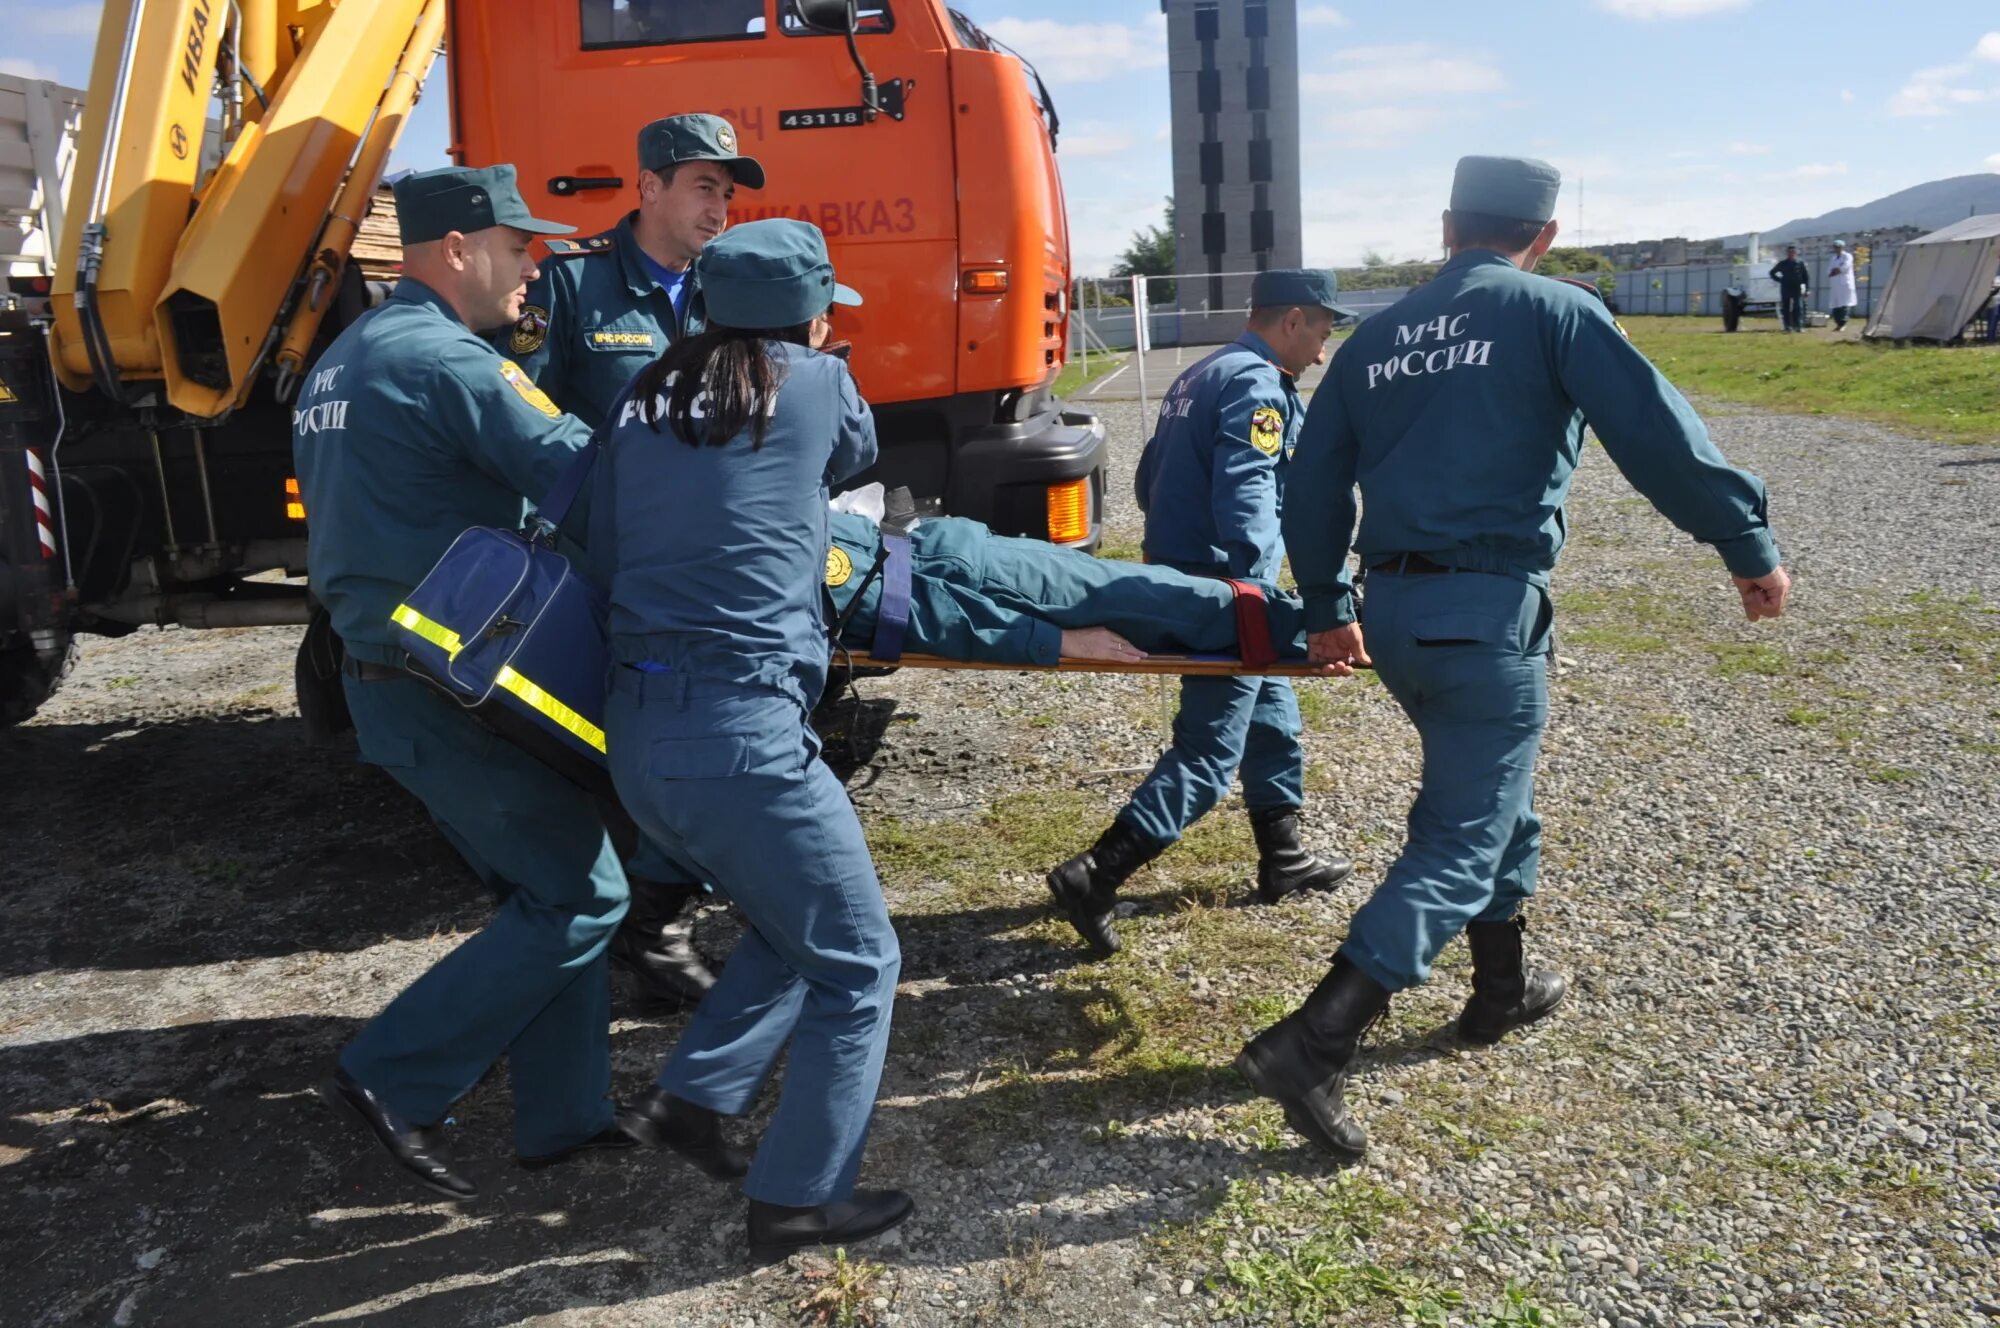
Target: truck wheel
column 1732, row 313
column 28, row 679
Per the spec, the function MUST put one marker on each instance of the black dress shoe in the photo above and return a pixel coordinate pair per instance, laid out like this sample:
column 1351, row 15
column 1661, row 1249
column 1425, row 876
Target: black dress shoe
column 611, row 1137
column 655, row 944
column 664, row 1121
column 414, row 1148
column 776, row 1230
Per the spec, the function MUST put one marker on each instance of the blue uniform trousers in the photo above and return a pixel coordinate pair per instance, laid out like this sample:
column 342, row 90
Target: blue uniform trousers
column 1223, row 724
column 532, row 983
column 1466, row 656
column 727, row 779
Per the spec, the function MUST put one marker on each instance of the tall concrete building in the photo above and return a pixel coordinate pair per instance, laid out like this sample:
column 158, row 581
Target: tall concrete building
column 1234, row 72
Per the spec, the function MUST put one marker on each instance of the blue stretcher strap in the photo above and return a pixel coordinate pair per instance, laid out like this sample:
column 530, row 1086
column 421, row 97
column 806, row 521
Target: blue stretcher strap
column 892, row 611
column 554, row 509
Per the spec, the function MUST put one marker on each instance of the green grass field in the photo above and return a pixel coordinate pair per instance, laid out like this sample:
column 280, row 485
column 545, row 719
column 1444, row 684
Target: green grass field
column 1072, row 378
column 1949, row 393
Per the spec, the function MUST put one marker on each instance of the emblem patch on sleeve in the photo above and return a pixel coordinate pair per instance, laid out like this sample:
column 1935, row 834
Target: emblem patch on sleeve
column 530, row 330
column 838, row 566
column 1267, row 430
column 531, row 394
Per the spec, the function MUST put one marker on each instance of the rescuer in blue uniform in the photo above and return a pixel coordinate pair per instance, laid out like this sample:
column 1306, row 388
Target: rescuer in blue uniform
column 710, row 514
column 408, row 430
column 1211, row 483
column 975, row 595
column 604, row 308
column 1459, row 412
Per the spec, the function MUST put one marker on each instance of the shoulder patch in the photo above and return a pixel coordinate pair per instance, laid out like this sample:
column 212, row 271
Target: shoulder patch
column 531, row 394
column 531, row 329
column 838, row 566
column 1267, row 430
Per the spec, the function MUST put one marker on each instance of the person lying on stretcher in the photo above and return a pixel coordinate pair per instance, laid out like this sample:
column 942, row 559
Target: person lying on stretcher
column 988, row 598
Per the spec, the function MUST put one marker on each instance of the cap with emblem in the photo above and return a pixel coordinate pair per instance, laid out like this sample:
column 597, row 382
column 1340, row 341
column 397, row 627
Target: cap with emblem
column 768, row 274
column 1521, row 188
column 679, row 139
column 432, row 204
column 1297, row 285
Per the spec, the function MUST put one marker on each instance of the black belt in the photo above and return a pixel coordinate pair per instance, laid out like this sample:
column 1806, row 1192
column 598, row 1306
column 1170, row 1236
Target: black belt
column 369, row 671
column 1409, row 563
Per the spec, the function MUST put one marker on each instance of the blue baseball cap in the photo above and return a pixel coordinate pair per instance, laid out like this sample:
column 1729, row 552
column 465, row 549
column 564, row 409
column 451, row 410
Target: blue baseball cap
column 766, row 274
column 1306, row 286
column 432, row 204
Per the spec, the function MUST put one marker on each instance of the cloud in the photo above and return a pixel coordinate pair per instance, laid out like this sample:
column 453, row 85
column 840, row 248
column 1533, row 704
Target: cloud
column 1817, row 170
column 1942, row 89
column 1321, row 16
column 1389, row 74
column 1652, row 9
column 1993, row 162
column 54, row 20
column 1847, row 94
column 25, row 68
column 1094, row 140
column 1748, row 149
column 1084, row 52
column 1364, row 127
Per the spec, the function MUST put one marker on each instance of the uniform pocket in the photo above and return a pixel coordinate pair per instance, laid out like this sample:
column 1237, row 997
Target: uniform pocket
column 1459, row 629
column 716, row 756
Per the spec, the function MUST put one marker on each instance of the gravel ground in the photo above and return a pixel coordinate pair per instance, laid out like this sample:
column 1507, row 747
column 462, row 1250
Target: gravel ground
column 1770, row 872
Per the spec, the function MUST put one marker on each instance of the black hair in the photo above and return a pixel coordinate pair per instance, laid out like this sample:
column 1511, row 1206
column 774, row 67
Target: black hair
column 1483, row 230
column 731, row 369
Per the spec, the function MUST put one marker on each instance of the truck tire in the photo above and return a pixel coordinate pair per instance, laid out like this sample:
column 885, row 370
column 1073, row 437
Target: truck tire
column 28, row 679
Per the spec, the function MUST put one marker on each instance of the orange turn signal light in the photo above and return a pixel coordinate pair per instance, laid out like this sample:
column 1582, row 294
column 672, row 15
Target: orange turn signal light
column 295, row 508
column 1069, row 512
column 985, row 281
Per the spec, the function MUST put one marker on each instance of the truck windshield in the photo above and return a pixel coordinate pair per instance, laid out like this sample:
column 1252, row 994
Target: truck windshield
column 660, row 22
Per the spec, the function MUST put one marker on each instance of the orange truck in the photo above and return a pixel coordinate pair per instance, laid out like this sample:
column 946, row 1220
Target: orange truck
column 226, row 161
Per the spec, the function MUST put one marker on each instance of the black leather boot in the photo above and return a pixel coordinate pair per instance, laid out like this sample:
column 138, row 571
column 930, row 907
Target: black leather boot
column 1505, row 995
column 661, row 1120
column 655, row 944
column 414, row 1148
column 1086, row 887
column 776, row 1230
column 1301, row 1061
column 1283, row 865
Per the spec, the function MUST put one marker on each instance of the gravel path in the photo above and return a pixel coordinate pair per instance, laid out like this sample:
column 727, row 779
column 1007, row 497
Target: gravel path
column 1772, row 871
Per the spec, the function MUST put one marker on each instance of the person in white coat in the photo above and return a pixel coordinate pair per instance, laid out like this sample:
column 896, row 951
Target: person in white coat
column 1840, row 296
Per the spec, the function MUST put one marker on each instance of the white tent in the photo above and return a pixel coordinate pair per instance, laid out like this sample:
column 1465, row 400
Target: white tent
column 1940, row 281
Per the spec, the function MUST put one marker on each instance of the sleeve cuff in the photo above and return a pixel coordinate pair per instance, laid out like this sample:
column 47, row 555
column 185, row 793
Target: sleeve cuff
column 1326, row 612
column 1754, row 554
column 1044, row 643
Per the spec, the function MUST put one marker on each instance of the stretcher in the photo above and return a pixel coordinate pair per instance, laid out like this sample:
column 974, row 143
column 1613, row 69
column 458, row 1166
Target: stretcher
column 1204, row 666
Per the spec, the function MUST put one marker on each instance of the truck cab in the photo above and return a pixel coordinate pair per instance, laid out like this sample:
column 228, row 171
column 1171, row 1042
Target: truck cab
column 923, row 151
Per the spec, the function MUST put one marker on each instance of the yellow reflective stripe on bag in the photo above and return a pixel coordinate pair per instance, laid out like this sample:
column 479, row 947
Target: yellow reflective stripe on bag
column 550, row 707
column 436, row 633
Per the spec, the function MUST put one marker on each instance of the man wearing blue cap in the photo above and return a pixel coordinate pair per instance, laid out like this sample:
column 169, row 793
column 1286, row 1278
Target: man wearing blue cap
column 408, row 430
column 1459, row 413
column 1211, row 483
column 605, row 307
column 710, row 515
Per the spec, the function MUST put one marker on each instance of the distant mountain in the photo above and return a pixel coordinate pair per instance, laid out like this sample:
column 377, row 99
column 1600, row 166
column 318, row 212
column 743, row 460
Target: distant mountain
column 1927, row 206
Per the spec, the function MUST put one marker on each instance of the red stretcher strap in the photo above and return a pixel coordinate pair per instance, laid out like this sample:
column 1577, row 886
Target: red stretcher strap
column 1253, row 626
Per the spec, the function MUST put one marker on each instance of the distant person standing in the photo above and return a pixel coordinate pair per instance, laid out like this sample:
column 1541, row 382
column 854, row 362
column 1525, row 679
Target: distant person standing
column 1793, row 282
column 1840, row 296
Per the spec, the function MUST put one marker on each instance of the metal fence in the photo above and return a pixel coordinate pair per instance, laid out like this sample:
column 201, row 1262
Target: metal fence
column 1696, row 288
column 1104, row 313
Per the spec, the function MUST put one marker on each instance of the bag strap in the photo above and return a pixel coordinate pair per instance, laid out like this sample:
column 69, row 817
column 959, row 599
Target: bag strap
column 554, row 509
column 1253, row 625
column 892, row 611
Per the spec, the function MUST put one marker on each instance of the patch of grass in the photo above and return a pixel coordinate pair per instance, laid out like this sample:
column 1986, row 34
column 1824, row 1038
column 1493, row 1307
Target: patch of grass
column 1960, row 631
column 1073, row 379
column 1122, row 551
column 1894, row 774
column 1734, row 658
column 1626, row 620
column 121, row 682
column 1937, row 392
column 841, row 1292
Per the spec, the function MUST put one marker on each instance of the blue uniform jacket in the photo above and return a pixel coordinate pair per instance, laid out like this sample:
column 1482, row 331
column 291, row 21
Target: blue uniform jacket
column 408, row 430
column 592, row 319
column 717, row 555
column 1460, row 412
column 1212, row 478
